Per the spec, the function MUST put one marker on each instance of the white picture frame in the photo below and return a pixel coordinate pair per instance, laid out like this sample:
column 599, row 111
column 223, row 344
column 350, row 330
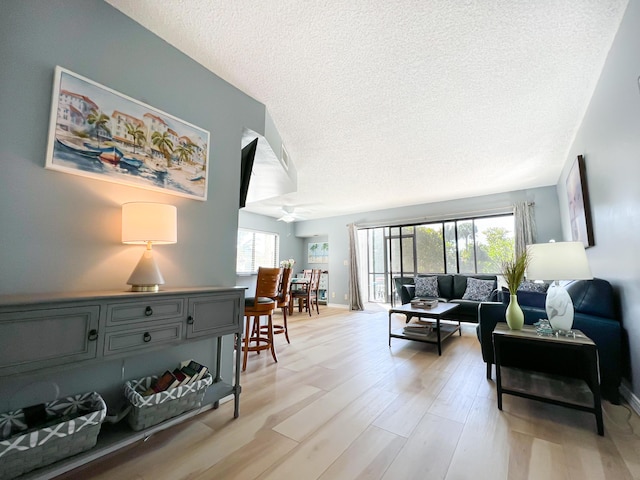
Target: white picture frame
column 97, row 132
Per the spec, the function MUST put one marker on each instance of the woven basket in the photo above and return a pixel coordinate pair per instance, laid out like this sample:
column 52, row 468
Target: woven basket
column 153, row 409
column 28, row 450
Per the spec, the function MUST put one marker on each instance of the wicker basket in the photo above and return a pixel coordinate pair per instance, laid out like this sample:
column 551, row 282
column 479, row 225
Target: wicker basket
column 23, row 450
column 153, row 409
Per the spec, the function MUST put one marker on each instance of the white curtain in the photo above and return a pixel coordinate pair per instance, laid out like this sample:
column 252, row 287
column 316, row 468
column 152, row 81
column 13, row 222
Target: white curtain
column 525, row 227
column 355, row 300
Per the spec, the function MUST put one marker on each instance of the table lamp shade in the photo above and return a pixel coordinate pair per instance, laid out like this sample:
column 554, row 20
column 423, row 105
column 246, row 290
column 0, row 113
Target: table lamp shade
column 556, row 261
column 148, row 223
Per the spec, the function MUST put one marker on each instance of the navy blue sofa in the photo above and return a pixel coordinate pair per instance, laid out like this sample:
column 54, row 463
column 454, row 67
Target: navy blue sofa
column 595, row 315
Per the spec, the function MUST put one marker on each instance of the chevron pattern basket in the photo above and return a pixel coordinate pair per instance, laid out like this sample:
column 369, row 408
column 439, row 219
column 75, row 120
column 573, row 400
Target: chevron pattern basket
column 23, row 450
column 153, row 409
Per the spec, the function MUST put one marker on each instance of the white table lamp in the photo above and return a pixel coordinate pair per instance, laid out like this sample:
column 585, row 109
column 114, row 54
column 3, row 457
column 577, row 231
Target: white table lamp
column 146, row 224
column 557, row 261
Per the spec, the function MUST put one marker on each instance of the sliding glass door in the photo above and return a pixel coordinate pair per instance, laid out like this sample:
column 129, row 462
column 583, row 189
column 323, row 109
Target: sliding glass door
column 469, row 246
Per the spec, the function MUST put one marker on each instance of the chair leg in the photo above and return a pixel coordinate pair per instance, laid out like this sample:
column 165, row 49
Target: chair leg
column 286, row 329
column 317, row 306
column 256, row 328
column 270, row 337
column 308, row 304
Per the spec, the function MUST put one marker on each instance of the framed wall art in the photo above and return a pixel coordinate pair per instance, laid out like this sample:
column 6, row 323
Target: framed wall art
column 579, row 209
column 318, row 252
column 99, row 133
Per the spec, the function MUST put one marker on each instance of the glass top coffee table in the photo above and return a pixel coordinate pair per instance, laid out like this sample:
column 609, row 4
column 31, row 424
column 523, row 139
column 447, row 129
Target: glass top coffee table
column 429, row 331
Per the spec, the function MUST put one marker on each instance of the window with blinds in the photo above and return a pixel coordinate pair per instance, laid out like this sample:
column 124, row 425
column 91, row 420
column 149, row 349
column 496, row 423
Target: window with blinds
column 256, row 249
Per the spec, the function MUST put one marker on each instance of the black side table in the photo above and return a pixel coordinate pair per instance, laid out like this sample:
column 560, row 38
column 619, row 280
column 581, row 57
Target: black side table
column 574, row 357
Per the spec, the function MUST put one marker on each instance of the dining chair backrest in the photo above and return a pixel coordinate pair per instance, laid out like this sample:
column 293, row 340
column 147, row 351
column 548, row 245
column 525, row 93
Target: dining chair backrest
column 315, row 279
column 268, row 282
column 285, row 285
column 307, row 273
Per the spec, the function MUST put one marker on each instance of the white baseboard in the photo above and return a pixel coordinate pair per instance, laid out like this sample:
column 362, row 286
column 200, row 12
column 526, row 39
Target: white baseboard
column 338, row 305
column 630, row 397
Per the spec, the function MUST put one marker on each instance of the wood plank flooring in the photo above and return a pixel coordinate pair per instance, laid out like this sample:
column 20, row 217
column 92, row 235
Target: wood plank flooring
column 341, row 404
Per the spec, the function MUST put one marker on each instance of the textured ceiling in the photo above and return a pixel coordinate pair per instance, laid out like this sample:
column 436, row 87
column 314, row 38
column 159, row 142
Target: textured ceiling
column 384, row 103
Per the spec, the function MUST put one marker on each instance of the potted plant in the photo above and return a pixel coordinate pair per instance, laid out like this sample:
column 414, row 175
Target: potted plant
column 513, row 272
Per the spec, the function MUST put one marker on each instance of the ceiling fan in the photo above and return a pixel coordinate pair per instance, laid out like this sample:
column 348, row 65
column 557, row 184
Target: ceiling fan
column 291, row 213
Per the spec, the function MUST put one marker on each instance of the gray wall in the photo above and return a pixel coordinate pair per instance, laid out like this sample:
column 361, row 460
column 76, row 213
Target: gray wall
column 61, row 232
column 609, row 139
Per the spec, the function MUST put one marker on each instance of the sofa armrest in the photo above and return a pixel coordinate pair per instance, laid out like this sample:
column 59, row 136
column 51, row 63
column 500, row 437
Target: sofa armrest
column 407, row 293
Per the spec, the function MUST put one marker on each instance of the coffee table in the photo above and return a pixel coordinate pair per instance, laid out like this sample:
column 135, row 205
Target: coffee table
column 439, row 331
column 577, row 357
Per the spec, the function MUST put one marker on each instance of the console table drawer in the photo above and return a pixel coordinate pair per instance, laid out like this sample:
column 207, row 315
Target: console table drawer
column 211, row 315
column 33, row 339
column 133, row 340
column 145, row 311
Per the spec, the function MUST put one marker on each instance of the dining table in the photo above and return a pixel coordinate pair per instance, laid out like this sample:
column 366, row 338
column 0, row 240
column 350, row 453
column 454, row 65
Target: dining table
column 298, row 284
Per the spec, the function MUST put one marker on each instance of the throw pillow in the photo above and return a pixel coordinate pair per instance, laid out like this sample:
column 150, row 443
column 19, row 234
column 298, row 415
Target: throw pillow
column 528, row 286
column 478, row 290
column 426, row 287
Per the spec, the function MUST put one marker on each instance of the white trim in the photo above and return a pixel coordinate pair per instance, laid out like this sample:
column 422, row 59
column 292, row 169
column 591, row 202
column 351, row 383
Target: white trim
column 338, row 305
column 630, row 397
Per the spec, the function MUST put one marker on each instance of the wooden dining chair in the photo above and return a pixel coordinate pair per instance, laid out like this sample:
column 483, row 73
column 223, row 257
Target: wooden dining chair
column 306, row 296
column 262, row 304
column 282, row 301
column 314, row 287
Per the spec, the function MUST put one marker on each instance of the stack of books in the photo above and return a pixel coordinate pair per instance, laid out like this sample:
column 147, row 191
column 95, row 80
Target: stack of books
column 417, row 330
column 187, row 372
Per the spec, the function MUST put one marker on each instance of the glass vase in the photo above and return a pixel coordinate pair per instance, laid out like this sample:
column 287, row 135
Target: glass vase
column 514, row 315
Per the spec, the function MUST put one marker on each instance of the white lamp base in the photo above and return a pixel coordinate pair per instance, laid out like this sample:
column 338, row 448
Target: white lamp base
column 559, row 307
column 146, row 277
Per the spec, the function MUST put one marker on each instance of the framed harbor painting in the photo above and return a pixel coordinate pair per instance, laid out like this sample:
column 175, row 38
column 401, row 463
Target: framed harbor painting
column 578, row 198
column 97, row 132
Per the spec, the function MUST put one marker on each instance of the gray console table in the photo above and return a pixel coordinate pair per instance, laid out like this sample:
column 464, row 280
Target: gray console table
column 53, row 332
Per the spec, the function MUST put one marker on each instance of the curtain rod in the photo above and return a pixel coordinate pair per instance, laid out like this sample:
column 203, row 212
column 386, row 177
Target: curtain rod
column 432, row 218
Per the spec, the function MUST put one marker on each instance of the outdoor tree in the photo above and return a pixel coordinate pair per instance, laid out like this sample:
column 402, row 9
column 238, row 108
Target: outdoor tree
column 430, row 258
column 499, row 247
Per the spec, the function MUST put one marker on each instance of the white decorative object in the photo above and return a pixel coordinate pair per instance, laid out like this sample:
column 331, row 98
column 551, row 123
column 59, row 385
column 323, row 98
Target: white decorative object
column 557, row 261
column 287, row 263
column 145, row 224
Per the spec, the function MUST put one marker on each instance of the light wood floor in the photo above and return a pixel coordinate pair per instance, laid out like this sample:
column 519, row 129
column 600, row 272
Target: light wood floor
column 340, row 404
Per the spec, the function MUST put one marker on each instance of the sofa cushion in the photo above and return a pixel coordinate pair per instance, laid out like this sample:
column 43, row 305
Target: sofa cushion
column 460, row 283
column 528, row 286
column 445, row 286
column 427, row 287
column 526, row 298
column 478, row 290
column 593, row 297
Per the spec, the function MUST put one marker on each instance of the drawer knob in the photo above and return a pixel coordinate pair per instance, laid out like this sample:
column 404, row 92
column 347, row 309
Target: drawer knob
column 93, row 335
column 146, row 337
column 190, row 320
column 148, row 311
